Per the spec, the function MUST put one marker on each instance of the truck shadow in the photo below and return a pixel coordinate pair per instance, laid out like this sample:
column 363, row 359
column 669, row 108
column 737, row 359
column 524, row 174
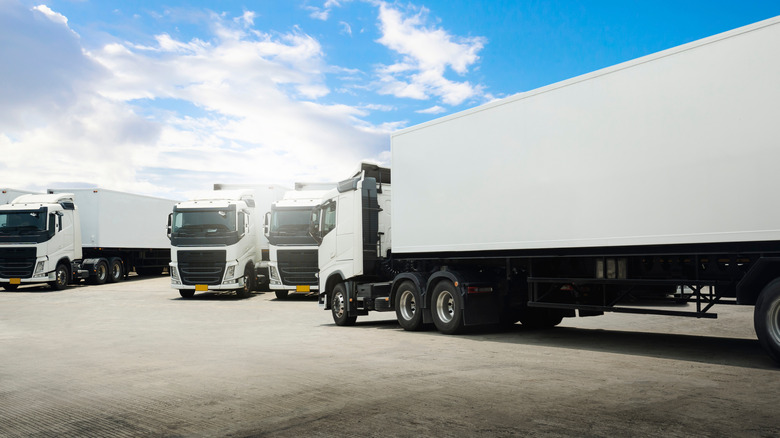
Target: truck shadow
column 214, row 296
column 45, row 288
column 745, row 353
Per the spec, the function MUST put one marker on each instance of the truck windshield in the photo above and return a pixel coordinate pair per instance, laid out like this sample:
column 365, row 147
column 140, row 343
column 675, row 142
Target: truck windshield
column 22, row 222
column 203, row 222
column 26, row 226
column 290, row 226
column 290, row 222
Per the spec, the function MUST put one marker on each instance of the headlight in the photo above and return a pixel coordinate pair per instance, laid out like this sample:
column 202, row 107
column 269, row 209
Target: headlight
column 231, row 271
column 39, row 269
column 274, row 275
column 175, row 275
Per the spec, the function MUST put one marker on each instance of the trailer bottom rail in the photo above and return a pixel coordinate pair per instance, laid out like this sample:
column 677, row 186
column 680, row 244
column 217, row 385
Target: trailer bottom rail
column 702, row 293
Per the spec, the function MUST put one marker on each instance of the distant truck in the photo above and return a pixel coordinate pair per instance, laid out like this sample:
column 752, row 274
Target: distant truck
column 217, row 242
column 94, row 234
column 8, row 195
column 293, row 251
column 652, row 181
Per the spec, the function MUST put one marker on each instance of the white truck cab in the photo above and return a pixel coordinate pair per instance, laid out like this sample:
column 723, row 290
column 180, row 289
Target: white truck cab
column 215, row 243
column 40, row 238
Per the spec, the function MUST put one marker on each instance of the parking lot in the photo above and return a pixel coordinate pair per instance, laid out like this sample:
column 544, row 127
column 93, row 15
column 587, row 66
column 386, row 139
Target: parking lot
column 134, row 359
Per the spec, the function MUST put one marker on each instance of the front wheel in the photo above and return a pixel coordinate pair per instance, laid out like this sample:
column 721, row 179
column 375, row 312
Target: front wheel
column 766, row 319
column 10, row 287
column 281, row 294
column 338, row 306
column 246, row 290
column 447, row 308
column 186, row 293
column 407, row 307
column 63, row 278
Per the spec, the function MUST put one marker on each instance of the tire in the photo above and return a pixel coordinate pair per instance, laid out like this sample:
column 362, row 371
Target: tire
column 116, row 272
column 338, row 306
column 408, row 309
column 540, row 318
column 101, row 273
column 766, row 319
column 10, row 287
column 63, row 277
column 186, row 293
column 281, row 294
column 447, row 308
column 246, row 291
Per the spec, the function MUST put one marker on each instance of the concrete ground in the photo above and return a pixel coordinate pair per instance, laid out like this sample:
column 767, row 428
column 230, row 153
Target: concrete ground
column 134, row 359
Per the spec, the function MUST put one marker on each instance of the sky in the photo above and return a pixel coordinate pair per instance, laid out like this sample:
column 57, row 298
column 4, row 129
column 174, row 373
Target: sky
column 168, row 97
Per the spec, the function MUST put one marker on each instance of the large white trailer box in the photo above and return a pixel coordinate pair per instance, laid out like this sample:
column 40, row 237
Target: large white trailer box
column 112, row 219
column 638, row 189
column 8, row 195
column 676, row 147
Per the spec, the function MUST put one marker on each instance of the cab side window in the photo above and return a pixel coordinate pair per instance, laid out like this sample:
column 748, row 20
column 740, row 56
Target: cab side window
column 328, row 218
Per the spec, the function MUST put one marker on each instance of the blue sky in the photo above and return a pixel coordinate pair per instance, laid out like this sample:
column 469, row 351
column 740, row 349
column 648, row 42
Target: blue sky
column 169, row 97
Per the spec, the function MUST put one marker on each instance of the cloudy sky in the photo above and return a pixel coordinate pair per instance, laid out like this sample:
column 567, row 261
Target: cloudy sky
column 166, row 98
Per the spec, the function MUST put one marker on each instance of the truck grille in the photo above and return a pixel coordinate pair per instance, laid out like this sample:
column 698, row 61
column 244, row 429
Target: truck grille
column 17, row 262
column 201, row 267
column 298, row 266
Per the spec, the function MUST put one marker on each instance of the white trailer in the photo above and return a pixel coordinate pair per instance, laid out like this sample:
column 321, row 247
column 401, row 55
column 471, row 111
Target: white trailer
column 8, row 195
column 94, row 234
column 649, row 180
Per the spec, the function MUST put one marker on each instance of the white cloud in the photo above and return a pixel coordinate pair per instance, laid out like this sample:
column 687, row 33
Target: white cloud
column 427, row 53
column 53, row 16
column 238, row 105
column 432, row 110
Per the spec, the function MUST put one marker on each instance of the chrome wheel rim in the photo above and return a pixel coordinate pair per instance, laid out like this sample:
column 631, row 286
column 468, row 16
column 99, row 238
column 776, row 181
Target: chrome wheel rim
column 408, row 305
column 445, row 307
column 338, row 304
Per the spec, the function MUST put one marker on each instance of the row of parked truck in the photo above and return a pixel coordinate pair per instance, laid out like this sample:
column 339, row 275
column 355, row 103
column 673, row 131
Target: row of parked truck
column 650, row 181
column 221, row 240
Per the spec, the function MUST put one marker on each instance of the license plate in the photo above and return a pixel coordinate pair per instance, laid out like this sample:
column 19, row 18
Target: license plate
column 305, row 288
column 201, row 288
column 16, row 281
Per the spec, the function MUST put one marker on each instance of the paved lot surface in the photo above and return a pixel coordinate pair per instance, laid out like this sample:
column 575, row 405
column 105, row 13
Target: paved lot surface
column 133, row 359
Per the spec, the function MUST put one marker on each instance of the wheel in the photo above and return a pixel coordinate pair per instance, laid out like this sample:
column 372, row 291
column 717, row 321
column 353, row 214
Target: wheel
column 63, row 277
column 766, row 319
column 10, row 286
column 447, row 308
column 281, row 294
column 186, row 293
column 115, row 270
column 407, row 306
column 101, row 273
column 539, row 318
column 246, row 291
column 338, row 306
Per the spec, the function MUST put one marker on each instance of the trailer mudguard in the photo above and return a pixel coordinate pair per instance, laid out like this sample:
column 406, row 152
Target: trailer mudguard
column 763, row 271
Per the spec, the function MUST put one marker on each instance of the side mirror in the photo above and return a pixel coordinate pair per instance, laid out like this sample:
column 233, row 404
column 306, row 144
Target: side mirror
column 267, row 224
column 170, row 221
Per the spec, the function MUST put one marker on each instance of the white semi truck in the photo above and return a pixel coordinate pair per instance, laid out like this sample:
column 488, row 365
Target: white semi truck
column 94, row 234
column 292, row 267
column 217, row 242
column 650, row 180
